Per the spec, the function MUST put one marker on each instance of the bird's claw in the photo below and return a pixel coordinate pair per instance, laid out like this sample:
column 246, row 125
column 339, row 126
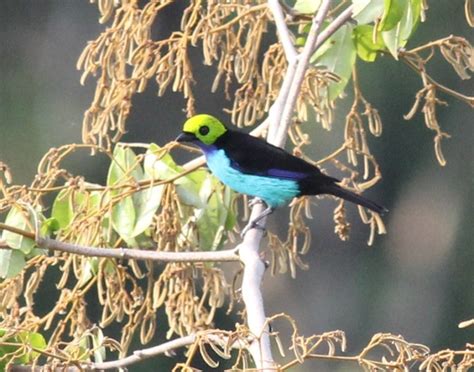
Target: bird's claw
column 251, row 225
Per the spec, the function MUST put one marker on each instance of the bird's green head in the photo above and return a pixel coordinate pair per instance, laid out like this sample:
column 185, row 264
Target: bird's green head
column 204, row 128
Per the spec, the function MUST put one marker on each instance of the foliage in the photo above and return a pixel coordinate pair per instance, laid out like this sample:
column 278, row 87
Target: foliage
column 150, row 202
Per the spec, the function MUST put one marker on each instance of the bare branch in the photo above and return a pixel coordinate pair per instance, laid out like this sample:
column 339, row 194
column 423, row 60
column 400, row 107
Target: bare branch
column 127, row 253
column 335, row 25
column 254, row 268
column 283, row 31
column 303, row 63
column 137, row 356
column 143, row 354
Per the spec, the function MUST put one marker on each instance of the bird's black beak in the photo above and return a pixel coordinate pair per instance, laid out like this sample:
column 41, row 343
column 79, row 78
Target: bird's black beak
column 186, row 137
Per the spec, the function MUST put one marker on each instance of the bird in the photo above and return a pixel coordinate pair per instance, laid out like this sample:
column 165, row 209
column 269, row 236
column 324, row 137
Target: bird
column 252, row 166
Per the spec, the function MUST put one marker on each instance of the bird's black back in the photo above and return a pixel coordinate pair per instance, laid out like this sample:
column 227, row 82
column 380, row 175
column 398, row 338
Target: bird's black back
column 252, row 155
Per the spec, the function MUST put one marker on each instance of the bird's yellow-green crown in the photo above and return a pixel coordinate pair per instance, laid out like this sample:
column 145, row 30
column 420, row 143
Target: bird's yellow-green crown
column 205, row 127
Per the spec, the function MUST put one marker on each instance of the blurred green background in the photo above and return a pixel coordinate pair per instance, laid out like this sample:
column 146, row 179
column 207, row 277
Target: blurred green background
column 417, row 281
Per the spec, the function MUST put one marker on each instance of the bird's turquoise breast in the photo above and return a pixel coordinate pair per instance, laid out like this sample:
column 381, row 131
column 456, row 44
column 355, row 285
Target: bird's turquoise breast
column 274, row 191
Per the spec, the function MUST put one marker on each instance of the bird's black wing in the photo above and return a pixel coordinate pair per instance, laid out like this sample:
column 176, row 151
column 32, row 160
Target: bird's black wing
column 253, row 155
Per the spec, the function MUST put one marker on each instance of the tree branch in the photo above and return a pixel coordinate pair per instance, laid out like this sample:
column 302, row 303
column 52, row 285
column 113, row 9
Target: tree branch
column 143, row 354
column 335, row 25
column 127, row 253
column 137, row 356
column 283, row 31
column 303, row 63
column 249, row 249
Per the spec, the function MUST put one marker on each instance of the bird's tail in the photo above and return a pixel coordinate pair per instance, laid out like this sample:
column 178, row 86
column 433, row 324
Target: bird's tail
column 336, row 190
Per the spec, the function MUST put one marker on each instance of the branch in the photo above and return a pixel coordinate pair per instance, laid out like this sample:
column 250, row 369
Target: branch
column 302, row 66
column 143, row 354
column 335, row 25
column 283, row 31
column 249, row 249
column 276, row 111
column 127, row 253
column 137, row 356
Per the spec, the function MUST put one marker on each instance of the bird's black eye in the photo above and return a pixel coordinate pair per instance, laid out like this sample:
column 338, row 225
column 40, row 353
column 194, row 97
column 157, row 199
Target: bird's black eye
column 204, row 130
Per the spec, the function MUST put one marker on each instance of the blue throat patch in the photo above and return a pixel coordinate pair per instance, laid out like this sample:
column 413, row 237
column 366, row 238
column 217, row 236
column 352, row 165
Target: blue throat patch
column 273, row 191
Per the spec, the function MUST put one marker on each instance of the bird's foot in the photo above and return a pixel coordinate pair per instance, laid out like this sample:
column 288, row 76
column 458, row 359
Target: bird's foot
column 254, row 201
column 251, row 225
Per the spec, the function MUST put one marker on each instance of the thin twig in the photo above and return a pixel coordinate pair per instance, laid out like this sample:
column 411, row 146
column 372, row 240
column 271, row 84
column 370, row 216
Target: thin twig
column 255, row 8
column 467, row 99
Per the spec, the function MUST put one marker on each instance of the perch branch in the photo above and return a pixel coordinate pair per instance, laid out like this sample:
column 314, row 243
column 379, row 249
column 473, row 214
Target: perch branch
column 143, row 354
column 249, row 249
column 126, row 253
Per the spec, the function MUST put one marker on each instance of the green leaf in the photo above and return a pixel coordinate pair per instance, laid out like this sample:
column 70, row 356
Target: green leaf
column 69, row 202
column 124, row 165
column 133, row 214
column 367, row 50
column 12, row 261
column 36, row 252
column 49, row 226
column 19, row 218
column 62, row 209
column 90, row 268
column 97, row 344
column 122, row 168
column 393, row 13
column 303, row 31
column 146, row 204
column 231, row 219
column 212, row 220
column 307, row 6
column 33, row 339
column 398, row 36
column 416, row 9
column 338, row 55
column 367, row 11
column 164, row 167
column 124, row 217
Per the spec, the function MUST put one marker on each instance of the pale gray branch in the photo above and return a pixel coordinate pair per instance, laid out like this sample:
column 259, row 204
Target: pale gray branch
column 137, row 356
column 280, row 118
column 335, row 25
column 143, row 354
column 303, row 63
column 139, row 254
column 283, row 31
